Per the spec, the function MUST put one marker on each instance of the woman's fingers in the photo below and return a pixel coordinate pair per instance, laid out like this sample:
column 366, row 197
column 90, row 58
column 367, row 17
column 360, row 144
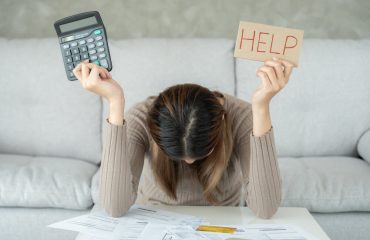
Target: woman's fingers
column 85, row 71
column 271, row 75
column 288, row 67
column 265, row 80
column 102, row 71
column 95, row 73
column 278, row 67
column 77, row 72
column 107, row 73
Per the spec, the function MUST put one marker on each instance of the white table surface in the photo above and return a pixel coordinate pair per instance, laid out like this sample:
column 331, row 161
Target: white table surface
column 243, row 215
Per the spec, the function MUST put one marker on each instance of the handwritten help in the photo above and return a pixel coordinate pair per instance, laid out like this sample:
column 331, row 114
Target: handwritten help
column 259, row 42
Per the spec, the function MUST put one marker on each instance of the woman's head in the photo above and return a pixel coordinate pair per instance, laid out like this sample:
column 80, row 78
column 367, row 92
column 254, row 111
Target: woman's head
column 185, row 121
column 189, row 123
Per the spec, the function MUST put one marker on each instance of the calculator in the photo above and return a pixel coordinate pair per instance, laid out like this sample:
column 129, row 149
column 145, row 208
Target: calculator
column 83, row 36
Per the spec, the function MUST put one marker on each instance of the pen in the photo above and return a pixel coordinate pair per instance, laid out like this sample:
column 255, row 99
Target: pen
column 220, row 229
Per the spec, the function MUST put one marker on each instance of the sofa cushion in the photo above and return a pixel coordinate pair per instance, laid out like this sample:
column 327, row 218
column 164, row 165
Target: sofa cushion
column 363, row 146
column 324, row 109
column 27, row 181
column 42, row 113
column 95, row 186
column 326, row 184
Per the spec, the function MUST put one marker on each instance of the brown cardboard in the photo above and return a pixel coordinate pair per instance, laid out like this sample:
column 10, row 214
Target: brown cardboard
column 260, row 42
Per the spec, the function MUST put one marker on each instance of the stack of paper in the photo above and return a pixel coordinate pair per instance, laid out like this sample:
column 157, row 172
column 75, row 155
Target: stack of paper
column 100, row 226
column 147, row 223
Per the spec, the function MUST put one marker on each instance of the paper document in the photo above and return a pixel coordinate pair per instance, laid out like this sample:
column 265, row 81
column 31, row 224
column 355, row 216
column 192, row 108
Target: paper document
column 144, row 223
column 250, row 232
column 128, row 227
column 161, row 216
column 103, row 227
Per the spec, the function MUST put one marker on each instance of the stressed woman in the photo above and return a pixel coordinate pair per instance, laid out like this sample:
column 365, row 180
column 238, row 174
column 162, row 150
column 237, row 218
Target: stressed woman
column 189, row 145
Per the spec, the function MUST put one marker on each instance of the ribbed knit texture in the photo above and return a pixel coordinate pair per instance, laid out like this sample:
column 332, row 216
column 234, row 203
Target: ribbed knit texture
column 253, row 165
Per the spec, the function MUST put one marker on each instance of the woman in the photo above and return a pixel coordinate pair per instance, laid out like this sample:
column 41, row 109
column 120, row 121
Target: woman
column 202, row 146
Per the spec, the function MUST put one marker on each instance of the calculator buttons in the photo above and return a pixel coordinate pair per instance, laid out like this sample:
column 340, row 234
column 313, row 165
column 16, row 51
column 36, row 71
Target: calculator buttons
column 104, row 63
column 76, row 58
column 90, row 47
column 70, row 66
column 75, row 51
column 70, row 73
column 83, row 49
column 84, row 56
column 82, row 42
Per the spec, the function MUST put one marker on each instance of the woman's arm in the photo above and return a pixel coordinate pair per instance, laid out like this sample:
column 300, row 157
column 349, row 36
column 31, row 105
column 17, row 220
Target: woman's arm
column 122, row 159
column 264, row 180
column 123, row 144
column 260, row 169
column 121, row 165
column 264, row 190
column 116, row 188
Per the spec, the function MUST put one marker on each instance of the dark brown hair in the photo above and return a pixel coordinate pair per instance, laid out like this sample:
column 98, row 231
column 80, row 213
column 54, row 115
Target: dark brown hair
column 187, row 120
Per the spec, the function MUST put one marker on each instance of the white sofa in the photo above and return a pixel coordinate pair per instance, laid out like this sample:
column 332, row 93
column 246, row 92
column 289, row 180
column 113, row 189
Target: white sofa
column 51, row 128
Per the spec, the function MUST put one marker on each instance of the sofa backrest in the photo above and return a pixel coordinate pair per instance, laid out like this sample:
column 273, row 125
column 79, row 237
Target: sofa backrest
column 145, row 67
column 325, row 107
column 322, row 111
column 41, row 112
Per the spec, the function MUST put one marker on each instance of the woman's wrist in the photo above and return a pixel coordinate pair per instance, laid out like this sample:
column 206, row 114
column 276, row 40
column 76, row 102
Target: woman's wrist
column 261, row 108
column 116, row 111
column 116, row 98
column 261, row 119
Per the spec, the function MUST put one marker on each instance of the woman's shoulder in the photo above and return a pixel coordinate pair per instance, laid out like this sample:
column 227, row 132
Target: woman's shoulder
column 140, row 108
column 136, row 118
column 240, row 116
column 236, row 107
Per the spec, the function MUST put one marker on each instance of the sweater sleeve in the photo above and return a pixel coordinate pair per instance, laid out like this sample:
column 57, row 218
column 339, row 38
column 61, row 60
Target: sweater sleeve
column 260, row 169
column 122, row 161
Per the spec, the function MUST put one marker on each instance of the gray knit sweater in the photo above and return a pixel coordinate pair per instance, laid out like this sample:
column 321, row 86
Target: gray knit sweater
column 126, row 176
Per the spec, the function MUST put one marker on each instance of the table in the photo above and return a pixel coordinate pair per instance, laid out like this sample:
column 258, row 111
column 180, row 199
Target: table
column 243, row 216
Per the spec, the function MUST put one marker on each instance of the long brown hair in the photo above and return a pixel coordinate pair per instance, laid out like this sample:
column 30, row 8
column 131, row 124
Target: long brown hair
column 187, row 120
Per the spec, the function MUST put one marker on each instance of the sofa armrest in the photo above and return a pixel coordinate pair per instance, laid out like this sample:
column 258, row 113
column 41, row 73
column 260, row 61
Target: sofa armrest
column 95, row 184
column 363, row 146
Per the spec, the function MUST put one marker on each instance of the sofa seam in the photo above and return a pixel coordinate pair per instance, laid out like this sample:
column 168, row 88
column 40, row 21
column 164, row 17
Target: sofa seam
column 235, row 78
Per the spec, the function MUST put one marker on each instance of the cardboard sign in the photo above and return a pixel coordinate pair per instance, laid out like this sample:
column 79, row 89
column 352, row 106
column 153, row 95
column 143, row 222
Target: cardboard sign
column 260, row 42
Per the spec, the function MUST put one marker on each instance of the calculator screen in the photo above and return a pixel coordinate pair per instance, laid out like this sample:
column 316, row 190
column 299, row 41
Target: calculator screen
column 78, row 24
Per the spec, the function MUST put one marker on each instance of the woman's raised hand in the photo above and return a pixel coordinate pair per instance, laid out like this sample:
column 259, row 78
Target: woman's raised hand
column 98, row 80
column 275, row 75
